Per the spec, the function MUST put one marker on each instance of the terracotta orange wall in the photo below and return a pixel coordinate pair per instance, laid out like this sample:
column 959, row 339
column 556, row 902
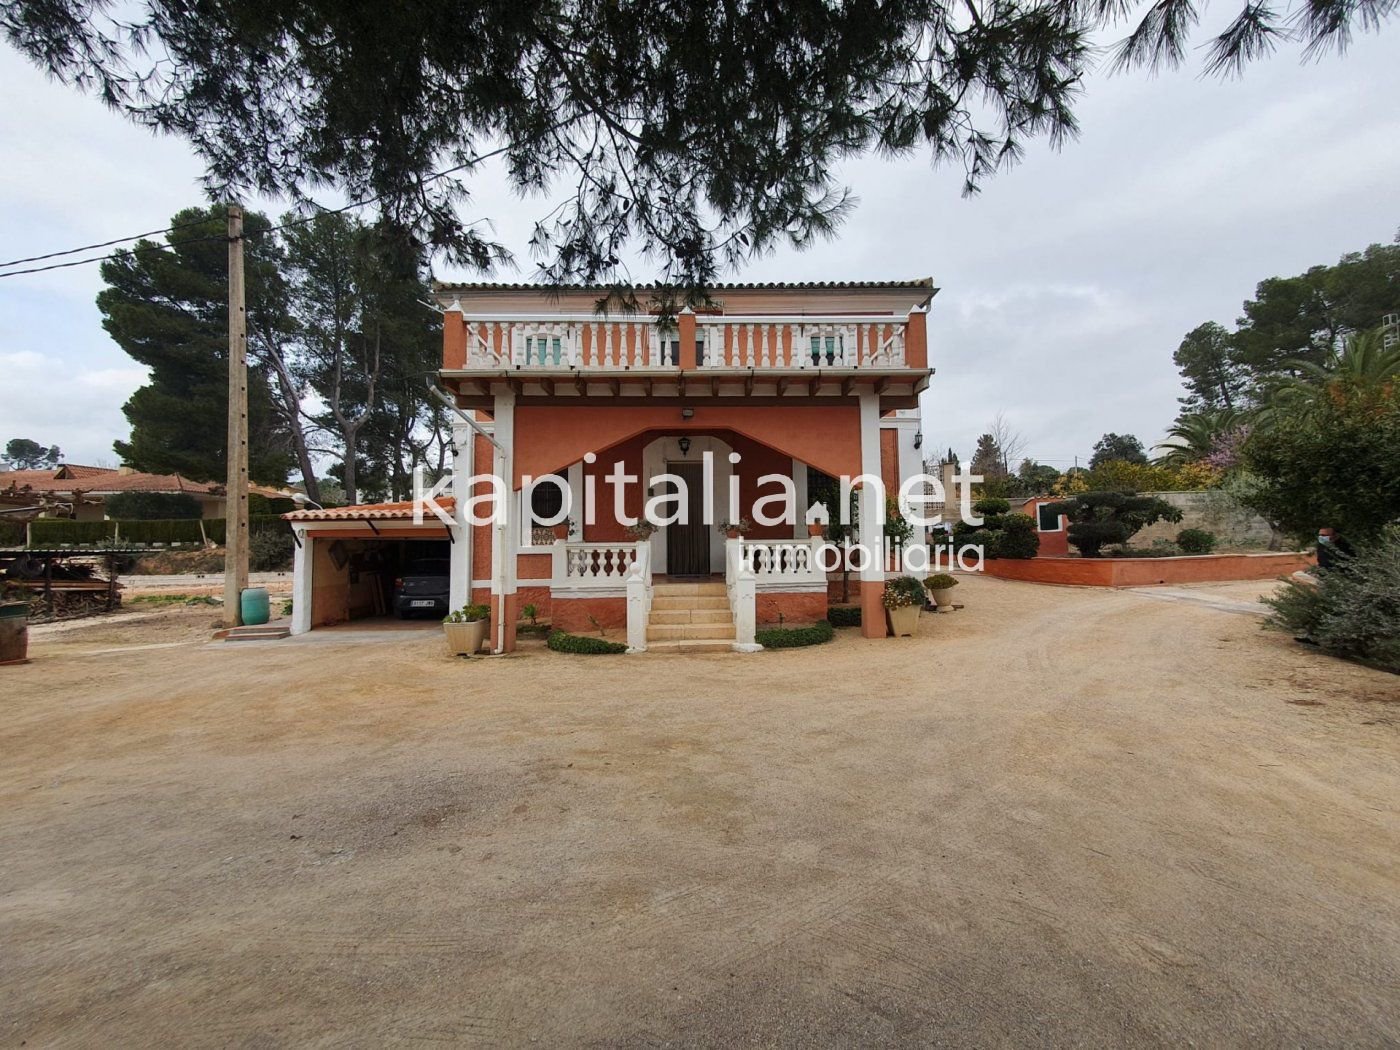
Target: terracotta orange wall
column 1139, row 572
column 796, row 609
column 889, row 460
column 605, row 527
column 550, row 437
column 572, row 614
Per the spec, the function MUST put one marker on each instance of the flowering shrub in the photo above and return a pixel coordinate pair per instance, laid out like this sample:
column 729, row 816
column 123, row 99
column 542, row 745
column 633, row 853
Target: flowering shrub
column 902, row 591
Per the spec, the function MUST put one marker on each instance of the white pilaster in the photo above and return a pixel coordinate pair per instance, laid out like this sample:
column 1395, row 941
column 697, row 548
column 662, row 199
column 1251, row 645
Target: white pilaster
column 301, row 581
column 503, row 547
column 460, row 587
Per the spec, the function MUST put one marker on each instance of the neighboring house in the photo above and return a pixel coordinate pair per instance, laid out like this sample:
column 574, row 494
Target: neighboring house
column 81, row 491
column 778, row 379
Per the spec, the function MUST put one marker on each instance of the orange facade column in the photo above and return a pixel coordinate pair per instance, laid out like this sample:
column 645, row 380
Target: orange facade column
column 916, row 340
column 872, row 609
column 685, row 332
column 454, row 339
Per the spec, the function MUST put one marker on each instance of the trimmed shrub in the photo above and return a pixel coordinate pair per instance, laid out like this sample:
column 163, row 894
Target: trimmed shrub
column 843, row 616
column 1107, row 519
column 794, row 637
column 1354, row 608
column 562, row 642
column 269, row 550
column 1014, row 537
column 11, row 534
column 172, row 530
column 152, row 506
column 990, row 506
column 48, row 532
column 1195, row 541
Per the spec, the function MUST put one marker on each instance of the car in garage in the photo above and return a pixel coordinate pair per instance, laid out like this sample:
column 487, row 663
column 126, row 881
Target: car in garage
column 422, row 589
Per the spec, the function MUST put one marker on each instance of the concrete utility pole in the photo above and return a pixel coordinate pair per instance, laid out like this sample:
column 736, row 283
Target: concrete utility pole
column 236, row 490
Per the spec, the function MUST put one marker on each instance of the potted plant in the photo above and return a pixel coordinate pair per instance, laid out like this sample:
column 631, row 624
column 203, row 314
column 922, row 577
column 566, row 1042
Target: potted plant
column 561, row 529
column 642, row 530
column 465, row 629
column 940, row 588
column 14, row 625
column 735, row 529
column 903, row 600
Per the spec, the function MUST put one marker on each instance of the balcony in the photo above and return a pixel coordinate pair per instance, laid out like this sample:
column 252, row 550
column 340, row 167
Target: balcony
column 573, row 355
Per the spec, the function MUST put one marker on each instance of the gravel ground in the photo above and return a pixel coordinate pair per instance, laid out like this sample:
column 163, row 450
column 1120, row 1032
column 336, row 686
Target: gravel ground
column 1060, row 816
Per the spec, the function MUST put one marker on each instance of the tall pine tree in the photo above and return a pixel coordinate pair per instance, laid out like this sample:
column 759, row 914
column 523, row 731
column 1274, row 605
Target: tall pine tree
column 168, row 309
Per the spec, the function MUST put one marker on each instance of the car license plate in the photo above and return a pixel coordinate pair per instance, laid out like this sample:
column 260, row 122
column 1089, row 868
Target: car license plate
column 423, row 603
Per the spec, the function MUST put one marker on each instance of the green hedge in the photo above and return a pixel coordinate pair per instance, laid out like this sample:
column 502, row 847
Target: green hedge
column 844, row 616
column 794, row 637
column 47, row 532
column 561, row 642
column 61, row 531
column 11, row 534
column 151, row 506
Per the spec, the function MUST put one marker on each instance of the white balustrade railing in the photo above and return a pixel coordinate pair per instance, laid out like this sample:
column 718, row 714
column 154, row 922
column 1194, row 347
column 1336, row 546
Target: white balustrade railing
column 800, row 342
column 590, row 343
column 564, row 342
column 599, row 564
column 783, row 561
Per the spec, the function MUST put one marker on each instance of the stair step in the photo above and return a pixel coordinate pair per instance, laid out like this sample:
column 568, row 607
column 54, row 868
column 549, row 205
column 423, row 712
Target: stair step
column 689, row 631
column 663, row 616
column 257, row 634
column 707, row 588
column 689, row 601
column 696, row 646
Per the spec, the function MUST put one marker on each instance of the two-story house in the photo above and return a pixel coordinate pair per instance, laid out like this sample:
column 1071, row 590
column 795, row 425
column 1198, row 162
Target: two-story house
column 776, row 381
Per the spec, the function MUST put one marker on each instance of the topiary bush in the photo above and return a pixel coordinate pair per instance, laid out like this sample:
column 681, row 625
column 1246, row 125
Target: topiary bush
column 1195, row 541
column 844, row 616
column 562, row 642
column 1013, row 536
column 990, row 506
column 794, row 637
column 1105, row 519
column 1353, row 609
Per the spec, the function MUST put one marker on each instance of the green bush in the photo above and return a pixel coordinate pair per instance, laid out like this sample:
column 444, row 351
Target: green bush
column 1014, row 537
column 941, row 581
column 269, row 550
column 1106, row 519
column 1195, row 541
column 990, row 506
column 151, row 506
column 1354, row 608
column 11, row 534
column 561, row 642
column 794, row 637
column 49, row 532
column 844, row 616
column 174, row 530
column 903, row 591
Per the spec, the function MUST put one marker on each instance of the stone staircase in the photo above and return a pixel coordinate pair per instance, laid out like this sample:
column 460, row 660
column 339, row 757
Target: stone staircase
column 690, row 618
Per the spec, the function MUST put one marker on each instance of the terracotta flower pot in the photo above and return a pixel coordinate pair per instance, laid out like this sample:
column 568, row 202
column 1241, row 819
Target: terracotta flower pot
column 903, row 620
column 815, row 528
column 733, row 534
column 463, row 639
column 561, row 531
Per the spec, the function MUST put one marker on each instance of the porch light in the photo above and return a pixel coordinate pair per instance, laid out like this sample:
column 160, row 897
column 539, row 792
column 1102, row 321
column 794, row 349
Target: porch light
column 687, row 413
column 684, row 443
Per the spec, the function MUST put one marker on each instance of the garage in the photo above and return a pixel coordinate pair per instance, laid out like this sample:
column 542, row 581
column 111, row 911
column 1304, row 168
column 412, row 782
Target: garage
column 369, row 566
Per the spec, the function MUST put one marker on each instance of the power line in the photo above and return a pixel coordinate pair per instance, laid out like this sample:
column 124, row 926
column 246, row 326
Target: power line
column 102, row 244
column 222, row 237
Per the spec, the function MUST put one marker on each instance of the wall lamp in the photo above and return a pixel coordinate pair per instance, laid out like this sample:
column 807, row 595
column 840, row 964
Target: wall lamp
column 687, row 413
column 684, row 443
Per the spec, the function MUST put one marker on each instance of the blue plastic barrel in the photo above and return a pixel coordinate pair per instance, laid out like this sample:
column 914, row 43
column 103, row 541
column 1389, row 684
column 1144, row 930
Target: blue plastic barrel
column 254, row 606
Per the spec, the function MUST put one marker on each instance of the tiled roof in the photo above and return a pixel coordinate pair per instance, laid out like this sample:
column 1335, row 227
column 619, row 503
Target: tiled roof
column 77, row 470
column 105, row 481
column 721, row 286
column 369, row 512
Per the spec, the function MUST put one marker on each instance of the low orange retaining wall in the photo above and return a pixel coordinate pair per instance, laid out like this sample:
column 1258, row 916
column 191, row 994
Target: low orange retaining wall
column 1138, row 572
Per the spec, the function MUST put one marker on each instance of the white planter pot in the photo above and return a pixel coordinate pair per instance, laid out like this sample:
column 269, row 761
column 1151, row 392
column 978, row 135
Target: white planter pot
column 463, row 639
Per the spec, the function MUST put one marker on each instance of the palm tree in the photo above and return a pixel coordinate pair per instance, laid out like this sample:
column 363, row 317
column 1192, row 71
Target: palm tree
column 1193, row 437
column 1364, row 368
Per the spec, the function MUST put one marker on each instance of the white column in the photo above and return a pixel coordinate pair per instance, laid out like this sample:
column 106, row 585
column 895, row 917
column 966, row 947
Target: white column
column 503, row 546
column 799, row 485
column 301, row 581
column 871, row 533
column 460, row 587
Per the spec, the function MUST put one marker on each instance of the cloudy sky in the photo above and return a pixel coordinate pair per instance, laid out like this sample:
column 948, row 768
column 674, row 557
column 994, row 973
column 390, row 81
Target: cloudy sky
column 1065, row 285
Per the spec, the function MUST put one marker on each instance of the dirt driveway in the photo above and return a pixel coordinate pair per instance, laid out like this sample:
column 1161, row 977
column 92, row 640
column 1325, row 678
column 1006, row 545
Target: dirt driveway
column 1062, row 816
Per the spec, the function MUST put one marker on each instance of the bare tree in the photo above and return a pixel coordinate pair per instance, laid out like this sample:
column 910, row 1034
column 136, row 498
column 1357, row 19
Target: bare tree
column 1009, row 441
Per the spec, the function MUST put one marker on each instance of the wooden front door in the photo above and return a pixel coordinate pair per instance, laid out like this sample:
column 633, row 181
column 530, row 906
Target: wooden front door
column 688, row 545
